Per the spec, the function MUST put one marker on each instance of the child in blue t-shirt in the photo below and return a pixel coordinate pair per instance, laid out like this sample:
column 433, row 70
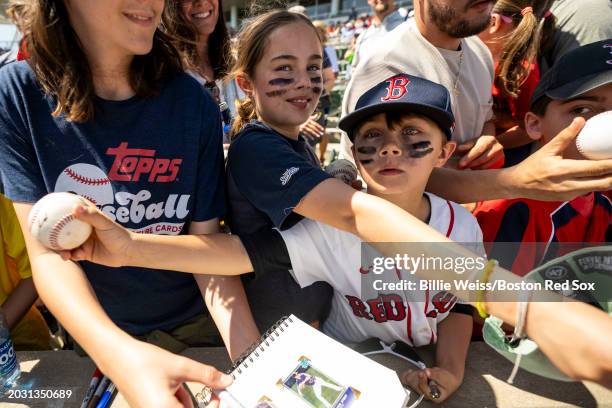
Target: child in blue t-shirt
column 102, row 108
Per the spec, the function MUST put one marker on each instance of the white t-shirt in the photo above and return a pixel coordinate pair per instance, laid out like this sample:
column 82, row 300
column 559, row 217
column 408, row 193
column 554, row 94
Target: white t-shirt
column 405, row 50
column 320, row 252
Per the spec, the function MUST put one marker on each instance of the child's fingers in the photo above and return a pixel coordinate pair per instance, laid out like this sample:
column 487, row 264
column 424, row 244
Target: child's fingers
column 65, row 255
column 423, row 385
column 489, row 159
column 93, row 216
column 465, row 147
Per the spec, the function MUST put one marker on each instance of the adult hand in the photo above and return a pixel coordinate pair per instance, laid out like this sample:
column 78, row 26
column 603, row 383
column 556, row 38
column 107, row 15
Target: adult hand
column 546, row 175
column 311, row 129
column 108, row 244
column 482, row 153
column 447, row 382
column 148, row 376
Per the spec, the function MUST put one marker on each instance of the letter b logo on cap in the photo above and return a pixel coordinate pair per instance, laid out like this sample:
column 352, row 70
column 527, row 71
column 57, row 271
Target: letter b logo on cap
column 398, row 86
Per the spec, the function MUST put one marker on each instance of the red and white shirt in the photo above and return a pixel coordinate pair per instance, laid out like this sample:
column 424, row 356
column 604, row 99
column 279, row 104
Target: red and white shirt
column 320, row 252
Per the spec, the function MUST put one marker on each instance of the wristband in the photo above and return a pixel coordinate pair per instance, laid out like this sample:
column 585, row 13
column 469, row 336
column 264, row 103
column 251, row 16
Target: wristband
column 480, row 295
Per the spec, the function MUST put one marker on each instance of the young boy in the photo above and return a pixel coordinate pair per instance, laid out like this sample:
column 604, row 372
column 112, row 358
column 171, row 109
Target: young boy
column 579, row 84
column 17, row 293
column 401, row 130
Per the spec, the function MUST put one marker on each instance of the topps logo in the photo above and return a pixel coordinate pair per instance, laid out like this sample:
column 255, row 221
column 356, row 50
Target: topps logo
column 134, row 164
column 287, row 175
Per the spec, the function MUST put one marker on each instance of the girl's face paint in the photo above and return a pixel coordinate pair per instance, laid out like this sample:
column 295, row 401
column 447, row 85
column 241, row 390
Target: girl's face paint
column 286, row 81
column 277, row 93
column 281, row 81
column 317, row 90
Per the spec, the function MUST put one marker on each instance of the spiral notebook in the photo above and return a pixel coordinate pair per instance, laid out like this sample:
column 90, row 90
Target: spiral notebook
column 295, row 365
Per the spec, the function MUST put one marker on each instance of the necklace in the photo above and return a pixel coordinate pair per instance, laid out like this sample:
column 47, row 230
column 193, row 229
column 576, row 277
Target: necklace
column 456, row 84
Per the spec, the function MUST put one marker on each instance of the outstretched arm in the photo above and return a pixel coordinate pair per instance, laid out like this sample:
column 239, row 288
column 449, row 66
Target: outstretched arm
column 545, row 175
column 113, row 245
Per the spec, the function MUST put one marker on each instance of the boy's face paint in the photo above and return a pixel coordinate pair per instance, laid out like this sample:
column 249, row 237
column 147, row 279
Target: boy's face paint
column 398, row 159
column 287, row 80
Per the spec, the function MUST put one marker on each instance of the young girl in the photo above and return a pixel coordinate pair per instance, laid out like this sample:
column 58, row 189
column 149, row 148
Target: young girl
column 514, row 38
column 103, row 108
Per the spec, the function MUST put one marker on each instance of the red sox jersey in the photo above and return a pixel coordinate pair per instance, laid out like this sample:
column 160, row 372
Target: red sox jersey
column 584, row 219
column 320, row 252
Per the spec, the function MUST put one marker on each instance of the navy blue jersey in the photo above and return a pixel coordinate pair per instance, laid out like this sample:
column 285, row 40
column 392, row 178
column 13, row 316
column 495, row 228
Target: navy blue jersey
column 152, row 164
column 268, row 174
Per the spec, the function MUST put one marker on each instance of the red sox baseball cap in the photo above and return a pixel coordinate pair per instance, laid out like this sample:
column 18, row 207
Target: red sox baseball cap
column 406, row 94
column 577, row 72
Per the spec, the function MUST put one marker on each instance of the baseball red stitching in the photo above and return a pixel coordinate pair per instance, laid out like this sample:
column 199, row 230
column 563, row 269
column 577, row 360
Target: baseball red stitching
column 57, row 229
column 89, row 198
column 86, row 180
column 34, row 217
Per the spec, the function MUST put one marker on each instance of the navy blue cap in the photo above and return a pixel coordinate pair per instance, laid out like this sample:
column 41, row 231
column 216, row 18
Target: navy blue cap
column 407, row 94
column 579, row 71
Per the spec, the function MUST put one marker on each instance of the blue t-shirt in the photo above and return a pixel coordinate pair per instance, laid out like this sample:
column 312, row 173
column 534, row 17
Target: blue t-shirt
column 152, row 164
column 268, row 174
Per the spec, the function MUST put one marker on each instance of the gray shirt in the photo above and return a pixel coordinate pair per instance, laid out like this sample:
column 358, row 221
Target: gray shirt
column 578, row 23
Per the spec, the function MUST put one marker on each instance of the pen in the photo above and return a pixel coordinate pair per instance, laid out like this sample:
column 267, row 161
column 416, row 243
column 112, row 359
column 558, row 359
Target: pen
column 105, row 400
column 95, row 378
column 433, row 389
column 99, row 391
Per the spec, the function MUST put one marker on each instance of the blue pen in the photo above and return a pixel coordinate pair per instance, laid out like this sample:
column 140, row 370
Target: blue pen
column 104, row 401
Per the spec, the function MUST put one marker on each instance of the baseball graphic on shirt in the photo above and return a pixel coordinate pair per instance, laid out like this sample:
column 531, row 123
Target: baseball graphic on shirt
column 88, row 181
column 52, row 223
column 595, row 140
column 343, row 170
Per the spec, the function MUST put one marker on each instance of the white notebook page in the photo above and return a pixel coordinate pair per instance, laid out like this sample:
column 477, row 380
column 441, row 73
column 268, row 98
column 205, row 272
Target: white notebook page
column 332, row 364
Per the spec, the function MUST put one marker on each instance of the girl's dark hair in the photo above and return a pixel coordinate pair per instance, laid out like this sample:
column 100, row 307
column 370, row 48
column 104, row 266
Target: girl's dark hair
column 252, row 42
column 57, row 57
column 186, row 35
column 523, row 45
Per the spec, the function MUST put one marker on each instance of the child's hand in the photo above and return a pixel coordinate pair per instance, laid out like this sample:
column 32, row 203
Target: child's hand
column 108, row 244
column 483, row 153
column 148, row 376
column 312, row 130
column 447, row 382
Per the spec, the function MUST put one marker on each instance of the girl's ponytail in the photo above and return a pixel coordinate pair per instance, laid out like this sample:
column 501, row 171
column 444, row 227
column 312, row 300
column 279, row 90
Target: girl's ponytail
column 523, row 46
column 245, row 110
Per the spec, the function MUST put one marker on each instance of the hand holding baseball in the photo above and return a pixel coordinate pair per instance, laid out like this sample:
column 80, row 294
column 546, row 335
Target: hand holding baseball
column 51, row 221
column 109, row 244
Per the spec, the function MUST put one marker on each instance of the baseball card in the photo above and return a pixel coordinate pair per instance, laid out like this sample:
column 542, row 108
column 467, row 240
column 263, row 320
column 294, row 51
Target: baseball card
column 317, row 389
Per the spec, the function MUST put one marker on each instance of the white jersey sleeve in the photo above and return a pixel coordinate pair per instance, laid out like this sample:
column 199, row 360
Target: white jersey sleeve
column 319, row 252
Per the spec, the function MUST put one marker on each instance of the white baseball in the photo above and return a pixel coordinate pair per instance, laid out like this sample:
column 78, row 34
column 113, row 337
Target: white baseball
column 343, row 170
column 595, row 139
column 52, row 223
